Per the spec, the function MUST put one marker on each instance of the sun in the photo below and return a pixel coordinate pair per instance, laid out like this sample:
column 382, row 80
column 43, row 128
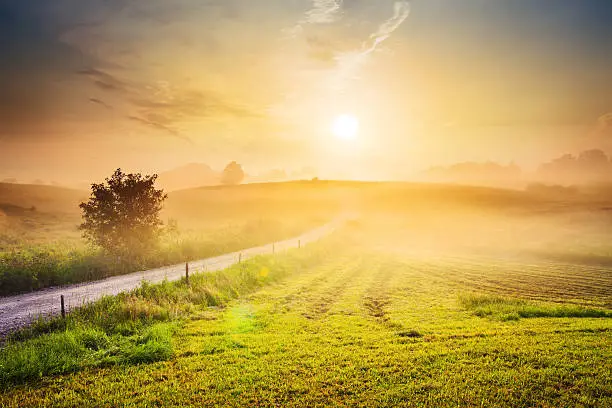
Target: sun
column 346, row 127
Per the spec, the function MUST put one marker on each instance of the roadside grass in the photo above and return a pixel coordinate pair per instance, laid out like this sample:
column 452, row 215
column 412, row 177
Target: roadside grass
column 83, row 346
column 505, row 308
column 134, row 327
column 33, row 268
column 348, row 325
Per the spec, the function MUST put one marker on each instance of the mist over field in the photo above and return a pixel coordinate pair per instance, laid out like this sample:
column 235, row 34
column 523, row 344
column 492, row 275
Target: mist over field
column 306, row 203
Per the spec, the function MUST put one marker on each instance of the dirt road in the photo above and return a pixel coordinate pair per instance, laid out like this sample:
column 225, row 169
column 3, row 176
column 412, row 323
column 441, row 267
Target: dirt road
column 17, row 311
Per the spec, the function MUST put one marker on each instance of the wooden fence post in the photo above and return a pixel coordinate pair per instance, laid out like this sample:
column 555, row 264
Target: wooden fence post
column 63, row 307
column 187, row 273
column 299, row 243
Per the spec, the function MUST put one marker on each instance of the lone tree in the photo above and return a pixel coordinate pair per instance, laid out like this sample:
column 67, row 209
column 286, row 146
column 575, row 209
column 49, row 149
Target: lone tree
column 122, row 214
column 232, row 174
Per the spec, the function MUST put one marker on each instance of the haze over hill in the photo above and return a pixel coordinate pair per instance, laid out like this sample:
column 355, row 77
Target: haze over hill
column 584, row 167
column 42, row 198
column 189, row 176
column 587, row 167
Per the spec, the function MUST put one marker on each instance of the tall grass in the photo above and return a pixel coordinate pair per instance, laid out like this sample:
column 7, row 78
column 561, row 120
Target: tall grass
column 504, row 308
column 134, row 327
column 35, row 268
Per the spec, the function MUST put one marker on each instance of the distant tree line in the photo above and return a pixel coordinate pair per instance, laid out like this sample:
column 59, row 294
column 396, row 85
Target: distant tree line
column 587, row 167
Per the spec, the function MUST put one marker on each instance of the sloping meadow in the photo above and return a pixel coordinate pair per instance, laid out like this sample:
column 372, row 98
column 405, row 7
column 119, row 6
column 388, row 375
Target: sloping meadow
column 134, row 327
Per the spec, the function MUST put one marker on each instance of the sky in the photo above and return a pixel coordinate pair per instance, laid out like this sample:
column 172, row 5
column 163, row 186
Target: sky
column 147, row 85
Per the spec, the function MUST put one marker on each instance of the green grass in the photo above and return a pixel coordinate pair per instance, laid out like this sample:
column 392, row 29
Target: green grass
column 340, row 323
column 86, row 346
column 38, row 267
column 513, row 309
column 130, row 328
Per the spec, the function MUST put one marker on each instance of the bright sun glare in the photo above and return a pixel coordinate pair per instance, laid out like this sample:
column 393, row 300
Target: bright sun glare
column 346, row 127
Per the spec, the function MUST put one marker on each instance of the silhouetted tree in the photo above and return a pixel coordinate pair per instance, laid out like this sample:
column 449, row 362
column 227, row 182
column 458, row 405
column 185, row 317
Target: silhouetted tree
column 122, row 214
column 232, row 174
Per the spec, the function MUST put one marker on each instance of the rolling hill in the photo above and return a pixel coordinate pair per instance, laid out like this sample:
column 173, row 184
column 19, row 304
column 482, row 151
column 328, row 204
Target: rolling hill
column 189, row 176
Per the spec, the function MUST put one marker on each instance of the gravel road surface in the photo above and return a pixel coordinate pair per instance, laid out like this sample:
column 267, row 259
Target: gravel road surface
column 17, row 311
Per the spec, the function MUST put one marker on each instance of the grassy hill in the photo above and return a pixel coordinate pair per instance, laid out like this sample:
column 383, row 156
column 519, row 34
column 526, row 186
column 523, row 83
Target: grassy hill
column 32, row 214
column 41, row 246
column 49, row 199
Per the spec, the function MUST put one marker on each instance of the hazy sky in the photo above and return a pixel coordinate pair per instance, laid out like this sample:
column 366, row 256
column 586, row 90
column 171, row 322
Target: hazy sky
column 88, row 85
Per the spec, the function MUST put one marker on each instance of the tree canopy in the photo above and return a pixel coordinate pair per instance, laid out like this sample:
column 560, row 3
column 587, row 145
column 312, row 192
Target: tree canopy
column 232, row 174
column 122, row 214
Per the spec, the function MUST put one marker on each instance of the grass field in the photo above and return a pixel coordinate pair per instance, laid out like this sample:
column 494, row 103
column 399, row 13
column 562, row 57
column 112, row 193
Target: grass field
column 430, row 296
column 390, row 311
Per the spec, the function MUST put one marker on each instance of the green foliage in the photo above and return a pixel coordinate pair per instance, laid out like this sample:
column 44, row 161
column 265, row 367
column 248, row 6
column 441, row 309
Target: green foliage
column 122, row 215
column 506, row 309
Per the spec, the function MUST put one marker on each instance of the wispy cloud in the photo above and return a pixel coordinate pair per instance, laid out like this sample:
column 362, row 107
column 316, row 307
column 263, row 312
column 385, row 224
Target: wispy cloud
column 100, row 102
column 180, row 104
column 160, row 104
column 606, row 119
column 349, row 63
column 159, row 126
column 104, row 80
column 603, row 125
column 401, row 11
column 323, row 12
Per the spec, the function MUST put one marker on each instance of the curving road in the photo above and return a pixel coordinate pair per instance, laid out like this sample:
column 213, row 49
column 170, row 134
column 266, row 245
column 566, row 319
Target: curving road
column 17, row 311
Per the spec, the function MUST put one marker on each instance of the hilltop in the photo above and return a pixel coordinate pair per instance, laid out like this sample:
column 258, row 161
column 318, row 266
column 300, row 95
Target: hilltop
column 189, row 176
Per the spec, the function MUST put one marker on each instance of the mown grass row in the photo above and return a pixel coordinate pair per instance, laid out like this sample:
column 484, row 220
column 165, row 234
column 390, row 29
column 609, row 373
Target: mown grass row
column 507, row 309
column 133, row 327
column 39, row 267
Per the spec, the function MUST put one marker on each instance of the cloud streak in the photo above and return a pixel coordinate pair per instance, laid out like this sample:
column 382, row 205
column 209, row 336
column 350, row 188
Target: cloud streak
column 604, row 124
column 100, row 102
column 161, row 105
column 323, row 12
column 401, row 11
column 104, row 80
column 161, row 127
column 350, row 63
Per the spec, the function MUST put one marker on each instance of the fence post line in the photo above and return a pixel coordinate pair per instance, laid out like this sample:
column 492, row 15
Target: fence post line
column 187, row 272
column 299, row 243
column 63, row 307
column 240, row 257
